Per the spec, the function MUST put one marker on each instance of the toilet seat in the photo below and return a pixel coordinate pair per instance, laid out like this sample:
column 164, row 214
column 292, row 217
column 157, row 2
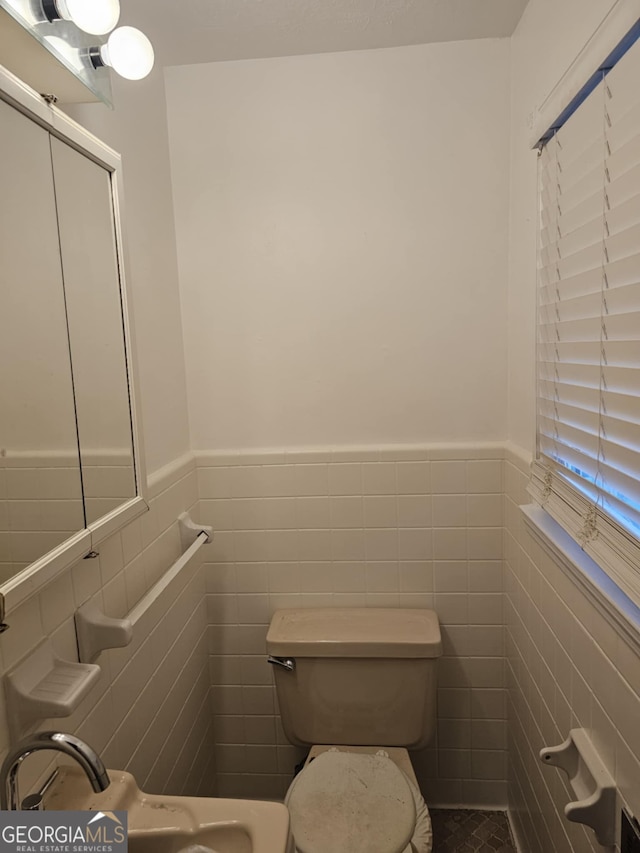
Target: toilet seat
column 346, row 802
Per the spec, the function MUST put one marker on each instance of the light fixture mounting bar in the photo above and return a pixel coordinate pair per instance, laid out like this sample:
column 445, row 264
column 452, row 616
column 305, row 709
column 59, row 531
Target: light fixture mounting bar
column 50, row 10
column 95, row 58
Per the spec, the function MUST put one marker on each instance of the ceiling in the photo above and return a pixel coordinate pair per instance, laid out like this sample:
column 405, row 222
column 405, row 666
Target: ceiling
column 191, row 31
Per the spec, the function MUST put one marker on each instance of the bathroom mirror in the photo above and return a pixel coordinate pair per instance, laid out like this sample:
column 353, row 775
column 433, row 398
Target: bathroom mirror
column 94, row 318
column 39, row 456
column 70, row 464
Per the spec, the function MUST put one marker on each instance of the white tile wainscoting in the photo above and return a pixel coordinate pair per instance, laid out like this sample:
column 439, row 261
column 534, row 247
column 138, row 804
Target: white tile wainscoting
column 568, row 666
column 150, row 711
column 405, row 526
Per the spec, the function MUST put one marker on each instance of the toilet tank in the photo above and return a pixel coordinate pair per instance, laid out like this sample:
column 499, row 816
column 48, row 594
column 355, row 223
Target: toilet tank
column 360, row 677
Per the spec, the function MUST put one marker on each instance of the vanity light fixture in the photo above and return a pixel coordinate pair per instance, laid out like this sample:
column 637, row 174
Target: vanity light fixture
column 128, row 51
column 97, row 17
column 73, row 57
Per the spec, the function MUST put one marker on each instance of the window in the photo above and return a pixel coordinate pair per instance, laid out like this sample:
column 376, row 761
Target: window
column 587, row 474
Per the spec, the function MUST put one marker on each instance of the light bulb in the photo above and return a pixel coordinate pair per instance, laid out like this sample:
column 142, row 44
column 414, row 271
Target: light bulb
column 129, row 52
column 92, row 16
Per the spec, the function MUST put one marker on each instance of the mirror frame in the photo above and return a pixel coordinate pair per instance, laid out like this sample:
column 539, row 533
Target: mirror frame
column 41, row 572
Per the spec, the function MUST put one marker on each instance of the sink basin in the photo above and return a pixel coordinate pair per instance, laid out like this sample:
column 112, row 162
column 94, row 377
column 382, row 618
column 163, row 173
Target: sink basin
column 218, row 840
column 173, row 824
column 230, row 839
column 165, row 824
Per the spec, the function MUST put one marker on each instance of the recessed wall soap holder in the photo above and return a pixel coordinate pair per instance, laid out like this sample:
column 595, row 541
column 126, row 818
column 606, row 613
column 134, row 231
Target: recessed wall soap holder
column 595, row 790
column 43, row 686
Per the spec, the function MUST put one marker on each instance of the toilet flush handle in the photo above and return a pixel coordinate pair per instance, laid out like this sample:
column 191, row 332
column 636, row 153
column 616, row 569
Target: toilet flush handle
column 286, row 663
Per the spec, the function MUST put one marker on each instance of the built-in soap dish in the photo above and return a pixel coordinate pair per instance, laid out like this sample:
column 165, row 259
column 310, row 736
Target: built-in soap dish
column 44, row 686
column 595, row 803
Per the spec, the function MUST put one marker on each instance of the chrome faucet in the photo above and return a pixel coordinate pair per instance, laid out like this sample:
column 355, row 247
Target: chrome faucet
column 69, row 745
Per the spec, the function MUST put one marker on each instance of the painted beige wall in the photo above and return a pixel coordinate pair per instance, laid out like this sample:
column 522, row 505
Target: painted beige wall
column 341, row 225
column 137, row 128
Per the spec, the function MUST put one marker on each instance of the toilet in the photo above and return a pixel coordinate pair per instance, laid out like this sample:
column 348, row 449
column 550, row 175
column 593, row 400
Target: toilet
column 358, row 687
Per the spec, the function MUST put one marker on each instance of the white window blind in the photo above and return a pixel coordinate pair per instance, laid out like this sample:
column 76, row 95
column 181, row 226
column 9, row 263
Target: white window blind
column 587, row 474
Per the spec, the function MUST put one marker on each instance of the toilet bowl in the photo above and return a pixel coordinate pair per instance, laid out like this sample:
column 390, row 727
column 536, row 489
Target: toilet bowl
column 358, row 800
column 356, row 678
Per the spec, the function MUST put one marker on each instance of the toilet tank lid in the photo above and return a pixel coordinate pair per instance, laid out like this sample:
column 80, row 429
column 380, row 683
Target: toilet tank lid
column 355, row 632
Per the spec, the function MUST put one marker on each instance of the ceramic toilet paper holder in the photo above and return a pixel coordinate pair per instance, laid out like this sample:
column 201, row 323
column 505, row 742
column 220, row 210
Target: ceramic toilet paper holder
column 595, row 803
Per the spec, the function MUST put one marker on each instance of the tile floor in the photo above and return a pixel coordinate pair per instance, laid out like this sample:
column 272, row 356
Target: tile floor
column 470, row 831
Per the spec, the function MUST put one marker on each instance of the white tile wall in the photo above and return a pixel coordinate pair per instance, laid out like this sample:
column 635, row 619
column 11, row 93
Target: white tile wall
column 567, row 667
column 403, row 527
column 150, row 712
column 407, row 527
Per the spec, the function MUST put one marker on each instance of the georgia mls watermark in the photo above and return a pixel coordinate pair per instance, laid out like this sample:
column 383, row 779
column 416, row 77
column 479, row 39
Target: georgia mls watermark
column 63, row 832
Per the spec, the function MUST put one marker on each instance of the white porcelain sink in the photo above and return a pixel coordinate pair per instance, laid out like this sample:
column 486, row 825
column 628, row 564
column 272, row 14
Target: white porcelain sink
column 217, row 840
column 172, row 824
column 164, row 824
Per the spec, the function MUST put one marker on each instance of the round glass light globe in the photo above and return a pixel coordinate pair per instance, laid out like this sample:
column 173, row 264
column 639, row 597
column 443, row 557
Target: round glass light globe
column 129, row 52
column 97, row 17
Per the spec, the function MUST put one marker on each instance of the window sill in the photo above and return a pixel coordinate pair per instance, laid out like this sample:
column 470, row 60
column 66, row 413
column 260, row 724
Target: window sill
column 602, row 592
